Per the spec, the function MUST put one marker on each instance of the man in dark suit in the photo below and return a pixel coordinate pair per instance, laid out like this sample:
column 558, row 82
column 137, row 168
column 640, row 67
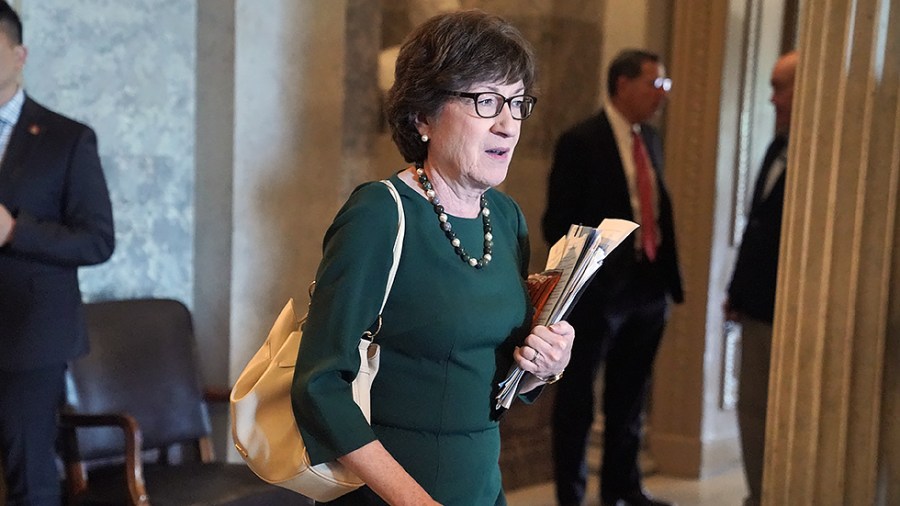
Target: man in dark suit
column 751, row 294
column 610, row 166
column 55, row 216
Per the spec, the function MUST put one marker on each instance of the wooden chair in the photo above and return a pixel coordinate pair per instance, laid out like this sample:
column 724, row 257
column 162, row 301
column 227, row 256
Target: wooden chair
column 136, row 431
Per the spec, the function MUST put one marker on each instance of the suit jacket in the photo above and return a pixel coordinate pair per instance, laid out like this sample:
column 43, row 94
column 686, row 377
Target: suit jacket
column 52, row 183
column 752, row 288
column 588, row 184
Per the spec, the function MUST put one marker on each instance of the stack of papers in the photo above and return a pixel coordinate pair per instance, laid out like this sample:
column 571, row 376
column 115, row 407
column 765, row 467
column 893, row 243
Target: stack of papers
column 572, row 263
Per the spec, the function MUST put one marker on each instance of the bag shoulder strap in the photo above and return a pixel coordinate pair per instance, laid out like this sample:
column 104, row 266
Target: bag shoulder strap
column 398, row 248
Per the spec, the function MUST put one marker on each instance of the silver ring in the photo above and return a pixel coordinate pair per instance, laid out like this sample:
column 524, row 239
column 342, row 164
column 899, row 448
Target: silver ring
column 536, row 355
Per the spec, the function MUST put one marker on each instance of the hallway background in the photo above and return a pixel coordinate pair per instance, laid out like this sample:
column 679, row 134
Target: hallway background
column 232, row 130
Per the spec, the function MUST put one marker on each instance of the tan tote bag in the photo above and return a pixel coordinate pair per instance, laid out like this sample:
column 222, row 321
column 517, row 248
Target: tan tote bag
column 262, row 420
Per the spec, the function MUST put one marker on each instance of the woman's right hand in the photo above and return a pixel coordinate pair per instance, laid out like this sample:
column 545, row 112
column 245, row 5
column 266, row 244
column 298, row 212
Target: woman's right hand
column 385, row 476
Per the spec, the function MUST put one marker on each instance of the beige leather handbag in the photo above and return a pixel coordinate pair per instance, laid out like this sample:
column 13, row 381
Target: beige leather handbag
column 262, row 420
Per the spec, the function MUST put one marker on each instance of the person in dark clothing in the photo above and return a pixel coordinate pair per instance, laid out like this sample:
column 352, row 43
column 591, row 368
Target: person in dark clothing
column 610, row 166
column 751, row 293
column 55, row 215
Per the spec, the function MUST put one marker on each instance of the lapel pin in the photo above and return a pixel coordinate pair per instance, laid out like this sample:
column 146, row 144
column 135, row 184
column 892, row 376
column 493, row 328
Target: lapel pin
column 34, row 129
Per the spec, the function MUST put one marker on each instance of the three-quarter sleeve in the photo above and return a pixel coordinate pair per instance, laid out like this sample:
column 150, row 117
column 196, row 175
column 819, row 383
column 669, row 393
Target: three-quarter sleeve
column 350, row 284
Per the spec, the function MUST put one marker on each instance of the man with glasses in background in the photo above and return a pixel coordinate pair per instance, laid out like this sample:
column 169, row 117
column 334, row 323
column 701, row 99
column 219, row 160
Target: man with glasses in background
column 610, row 166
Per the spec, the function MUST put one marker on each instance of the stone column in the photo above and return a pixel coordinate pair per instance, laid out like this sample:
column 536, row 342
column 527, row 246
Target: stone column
column 270, row 164
column 681, row 412
column 832, row 431
column 719, row 124
column 287, row 154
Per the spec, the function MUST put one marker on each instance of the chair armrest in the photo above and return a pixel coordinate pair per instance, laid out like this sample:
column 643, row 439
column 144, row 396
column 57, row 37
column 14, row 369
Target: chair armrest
column 134, row 470
column 217, row 394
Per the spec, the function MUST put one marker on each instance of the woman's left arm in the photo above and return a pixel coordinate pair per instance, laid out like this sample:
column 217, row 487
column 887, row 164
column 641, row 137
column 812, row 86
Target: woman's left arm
column 545, row 354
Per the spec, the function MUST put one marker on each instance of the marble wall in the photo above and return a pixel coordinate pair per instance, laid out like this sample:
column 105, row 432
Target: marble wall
column 126, row 68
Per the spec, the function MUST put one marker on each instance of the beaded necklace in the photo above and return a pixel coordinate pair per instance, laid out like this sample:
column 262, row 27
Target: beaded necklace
column 448, row 229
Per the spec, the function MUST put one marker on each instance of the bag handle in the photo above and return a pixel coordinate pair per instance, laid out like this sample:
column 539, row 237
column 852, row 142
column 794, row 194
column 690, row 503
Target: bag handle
column 397, row 252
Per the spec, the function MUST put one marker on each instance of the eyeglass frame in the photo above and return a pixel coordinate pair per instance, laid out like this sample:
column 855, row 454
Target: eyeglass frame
column 506, row 101
column 663, row 83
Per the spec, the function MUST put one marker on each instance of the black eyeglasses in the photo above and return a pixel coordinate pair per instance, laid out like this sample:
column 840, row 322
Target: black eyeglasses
column 489, row 104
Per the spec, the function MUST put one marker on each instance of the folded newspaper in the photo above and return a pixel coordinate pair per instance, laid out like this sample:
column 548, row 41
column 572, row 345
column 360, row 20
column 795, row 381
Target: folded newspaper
column 572, row 263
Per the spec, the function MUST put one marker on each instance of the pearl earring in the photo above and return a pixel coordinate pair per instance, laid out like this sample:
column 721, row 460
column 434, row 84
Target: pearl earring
column 424, row 138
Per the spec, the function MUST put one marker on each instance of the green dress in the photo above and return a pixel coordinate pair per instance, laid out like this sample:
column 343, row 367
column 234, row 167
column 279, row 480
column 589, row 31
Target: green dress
column 447, row 339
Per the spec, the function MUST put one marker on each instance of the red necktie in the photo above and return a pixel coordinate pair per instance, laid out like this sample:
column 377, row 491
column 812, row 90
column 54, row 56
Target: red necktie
column 645, row 192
